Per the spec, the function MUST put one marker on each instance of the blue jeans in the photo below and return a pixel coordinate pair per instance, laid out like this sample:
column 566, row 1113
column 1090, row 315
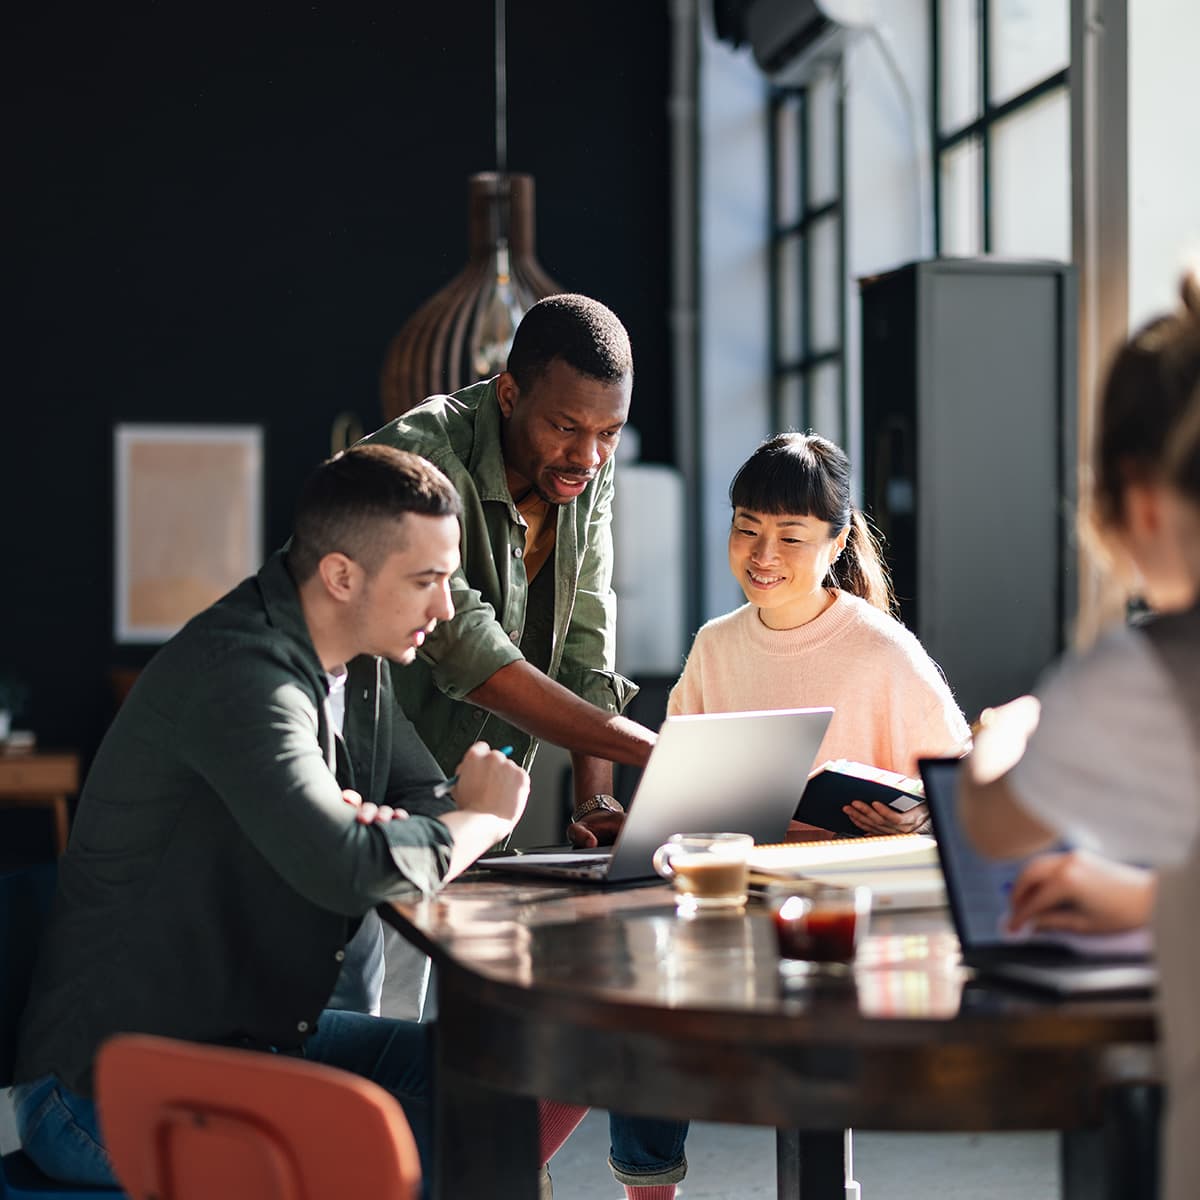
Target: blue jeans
column 646, row 1152
column 60, row 1133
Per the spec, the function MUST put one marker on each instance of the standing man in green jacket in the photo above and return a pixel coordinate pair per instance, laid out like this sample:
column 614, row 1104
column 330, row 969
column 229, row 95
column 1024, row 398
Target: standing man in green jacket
column 530, row 650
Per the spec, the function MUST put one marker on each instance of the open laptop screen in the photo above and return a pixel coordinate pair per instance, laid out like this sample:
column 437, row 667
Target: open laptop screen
column 978, row 888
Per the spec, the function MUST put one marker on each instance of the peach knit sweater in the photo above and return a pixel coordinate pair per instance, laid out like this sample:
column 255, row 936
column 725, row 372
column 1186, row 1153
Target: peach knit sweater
column 891, row 703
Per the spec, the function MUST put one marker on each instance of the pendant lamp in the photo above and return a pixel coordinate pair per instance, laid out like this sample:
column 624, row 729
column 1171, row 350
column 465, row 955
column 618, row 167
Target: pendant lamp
column 464, row 331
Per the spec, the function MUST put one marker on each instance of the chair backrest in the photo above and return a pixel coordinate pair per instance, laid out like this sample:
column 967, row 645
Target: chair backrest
column 190, row 1122
column 25, row 898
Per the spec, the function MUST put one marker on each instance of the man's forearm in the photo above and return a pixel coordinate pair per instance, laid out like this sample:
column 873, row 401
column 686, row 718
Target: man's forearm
column 529, row 699
column 591, row 776
column 474, row 834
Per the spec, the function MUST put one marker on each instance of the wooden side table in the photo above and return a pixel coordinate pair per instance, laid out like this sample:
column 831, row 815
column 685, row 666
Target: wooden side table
column 42, row 779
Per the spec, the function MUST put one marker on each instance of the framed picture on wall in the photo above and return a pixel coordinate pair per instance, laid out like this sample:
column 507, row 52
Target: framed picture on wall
column 189, row 505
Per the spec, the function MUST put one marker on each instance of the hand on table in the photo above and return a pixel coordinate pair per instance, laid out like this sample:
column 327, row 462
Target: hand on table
column 1079, row 892
column 598, row 828
column 369, row 813
column 878, row 818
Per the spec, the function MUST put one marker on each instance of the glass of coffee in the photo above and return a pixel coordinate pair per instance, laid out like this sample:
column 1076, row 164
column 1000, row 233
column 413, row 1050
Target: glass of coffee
column 818, row 926
column 708, row 869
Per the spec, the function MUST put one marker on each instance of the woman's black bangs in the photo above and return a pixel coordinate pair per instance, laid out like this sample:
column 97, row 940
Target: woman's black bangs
column 782, row 483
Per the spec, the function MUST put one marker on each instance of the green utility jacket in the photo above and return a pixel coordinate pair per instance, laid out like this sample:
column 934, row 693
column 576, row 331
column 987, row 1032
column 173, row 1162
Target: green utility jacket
column 215, row 873
column 461, row 435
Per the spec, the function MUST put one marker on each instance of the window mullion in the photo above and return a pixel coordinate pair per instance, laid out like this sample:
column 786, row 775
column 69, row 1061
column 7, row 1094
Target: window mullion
column 805, row 288
column 985, row 108
column 776, row 249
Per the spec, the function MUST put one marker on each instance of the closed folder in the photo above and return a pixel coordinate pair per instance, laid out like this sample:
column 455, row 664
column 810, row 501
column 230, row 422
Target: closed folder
column 840, row 782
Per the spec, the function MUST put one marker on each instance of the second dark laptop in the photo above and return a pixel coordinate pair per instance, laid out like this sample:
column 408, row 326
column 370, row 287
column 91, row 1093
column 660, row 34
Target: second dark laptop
column 978, row 890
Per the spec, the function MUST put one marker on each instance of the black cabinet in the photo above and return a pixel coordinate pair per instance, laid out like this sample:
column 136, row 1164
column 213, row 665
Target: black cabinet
column 969, row 458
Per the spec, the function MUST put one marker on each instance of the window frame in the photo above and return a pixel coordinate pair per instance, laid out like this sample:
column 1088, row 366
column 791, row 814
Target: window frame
column 805, row 365
column 982, row 126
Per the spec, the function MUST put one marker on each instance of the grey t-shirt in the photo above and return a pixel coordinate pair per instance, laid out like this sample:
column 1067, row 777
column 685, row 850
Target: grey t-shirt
column 1111, row 764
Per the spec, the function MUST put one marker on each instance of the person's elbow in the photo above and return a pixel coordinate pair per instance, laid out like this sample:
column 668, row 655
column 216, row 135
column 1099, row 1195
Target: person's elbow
column 374, row 862
column 983, row 834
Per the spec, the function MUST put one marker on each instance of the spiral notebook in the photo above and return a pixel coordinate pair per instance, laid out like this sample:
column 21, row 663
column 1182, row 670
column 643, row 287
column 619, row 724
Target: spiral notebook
column 901, row 869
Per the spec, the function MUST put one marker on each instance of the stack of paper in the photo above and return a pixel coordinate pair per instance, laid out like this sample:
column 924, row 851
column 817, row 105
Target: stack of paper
column 902, row 871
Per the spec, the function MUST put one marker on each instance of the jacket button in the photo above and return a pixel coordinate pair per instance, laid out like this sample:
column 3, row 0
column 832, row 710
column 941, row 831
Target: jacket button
column 339, row 956
column 518, row 552
column 303, row 1026
column 515, row 636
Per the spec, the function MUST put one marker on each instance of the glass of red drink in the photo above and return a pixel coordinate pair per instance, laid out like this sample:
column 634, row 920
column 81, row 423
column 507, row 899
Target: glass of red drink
column 818, row 926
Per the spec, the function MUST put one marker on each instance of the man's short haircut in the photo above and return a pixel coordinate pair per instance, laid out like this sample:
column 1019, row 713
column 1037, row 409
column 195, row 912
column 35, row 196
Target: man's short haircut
column 352, row 502
column 585, row 334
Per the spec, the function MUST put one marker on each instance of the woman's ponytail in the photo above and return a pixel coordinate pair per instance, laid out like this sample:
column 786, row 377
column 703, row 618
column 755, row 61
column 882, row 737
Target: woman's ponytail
column 1183, row 449
column 860, row 569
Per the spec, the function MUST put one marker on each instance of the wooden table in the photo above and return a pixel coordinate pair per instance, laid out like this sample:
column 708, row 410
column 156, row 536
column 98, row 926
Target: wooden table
column 610, row 999
column 43, row 779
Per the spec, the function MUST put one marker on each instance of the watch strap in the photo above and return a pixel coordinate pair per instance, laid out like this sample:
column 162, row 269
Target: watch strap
column 600, row 802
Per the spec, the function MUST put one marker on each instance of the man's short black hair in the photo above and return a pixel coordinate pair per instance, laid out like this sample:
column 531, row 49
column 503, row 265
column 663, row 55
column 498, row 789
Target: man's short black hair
column 585, row 334
column 351, row 504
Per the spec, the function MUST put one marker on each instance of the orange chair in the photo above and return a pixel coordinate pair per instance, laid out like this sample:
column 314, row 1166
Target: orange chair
column 190, row 1122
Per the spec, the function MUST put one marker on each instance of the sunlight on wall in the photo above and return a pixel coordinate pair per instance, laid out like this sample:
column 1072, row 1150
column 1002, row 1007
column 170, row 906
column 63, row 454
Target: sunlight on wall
column 1164, row 168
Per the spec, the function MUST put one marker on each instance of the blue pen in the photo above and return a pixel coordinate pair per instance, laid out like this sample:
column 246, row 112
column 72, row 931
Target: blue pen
column 447, row 785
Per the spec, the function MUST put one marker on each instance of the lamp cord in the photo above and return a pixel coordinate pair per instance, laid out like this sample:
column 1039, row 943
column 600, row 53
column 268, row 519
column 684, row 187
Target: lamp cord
column 501, row 92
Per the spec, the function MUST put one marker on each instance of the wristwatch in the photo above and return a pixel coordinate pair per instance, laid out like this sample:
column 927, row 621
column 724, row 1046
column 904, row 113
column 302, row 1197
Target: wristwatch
column 600, row 802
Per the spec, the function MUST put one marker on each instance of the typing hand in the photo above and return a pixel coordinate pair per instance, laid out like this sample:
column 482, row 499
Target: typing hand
column 598, row 828
column 372, row 814
column 878, row 818
column 1079, row 892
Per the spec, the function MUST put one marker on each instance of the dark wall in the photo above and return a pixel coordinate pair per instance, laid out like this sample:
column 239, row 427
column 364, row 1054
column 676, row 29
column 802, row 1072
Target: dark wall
column 225, row 218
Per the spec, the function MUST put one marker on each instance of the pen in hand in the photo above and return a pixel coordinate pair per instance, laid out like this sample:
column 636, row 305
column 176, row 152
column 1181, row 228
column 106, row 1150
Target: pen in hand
column 447, row 785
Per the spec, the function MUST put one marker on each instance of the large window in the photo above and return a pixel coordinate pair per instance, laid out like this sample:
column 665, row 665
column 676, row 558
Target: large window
column 808, row 257
column 1002, row 127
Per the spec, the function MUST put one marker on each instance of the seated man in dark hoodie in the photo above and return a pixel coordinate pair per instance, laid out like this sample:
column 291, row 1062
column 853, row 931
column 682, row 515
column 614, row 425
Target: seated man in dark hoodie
column 257, row 794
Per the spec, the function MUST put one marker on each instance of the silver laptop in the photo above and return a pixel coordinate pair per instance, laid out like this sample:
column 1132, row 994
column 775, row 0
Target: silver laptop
column 978, row 890
column 734, row 772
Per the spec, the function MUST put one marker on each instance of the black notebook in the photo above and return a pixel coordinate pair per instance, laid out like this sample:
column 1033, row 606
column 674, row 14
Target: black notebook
column 839, row 782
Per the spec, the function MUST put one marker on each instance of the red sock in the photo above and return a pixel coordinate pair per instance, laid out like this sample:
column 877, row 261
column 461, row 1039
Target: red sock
column 660, row 1191
column 556, row 1123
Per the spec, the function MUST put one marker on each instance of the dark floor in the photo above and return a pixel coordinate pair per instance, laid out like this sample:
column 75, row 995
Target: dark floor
column 26, row 836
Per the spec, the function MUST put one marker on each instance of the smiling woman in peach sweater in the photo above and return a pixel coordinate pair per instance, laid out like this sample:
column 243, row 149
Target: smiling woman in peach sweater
column 817, row 629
